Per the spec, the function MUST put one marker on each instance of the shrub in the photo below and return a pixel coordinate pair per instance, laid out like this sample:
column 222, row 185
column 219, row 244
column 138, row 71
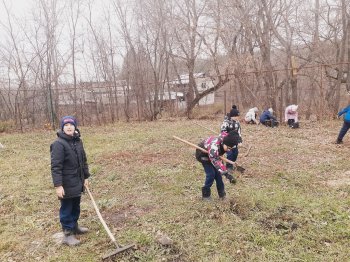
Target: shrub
column 6, row 126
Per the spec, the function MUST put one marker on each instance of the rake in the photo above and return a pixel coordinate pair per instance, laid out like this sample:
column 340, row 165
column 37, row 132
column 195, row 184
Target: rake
column 119, row 248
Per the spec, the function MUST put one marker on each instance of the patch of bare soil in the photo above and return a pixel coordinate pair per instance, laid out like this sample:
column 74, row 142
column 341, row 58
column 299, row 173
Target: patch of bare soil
column 281, row 221
column 339, row 181
column 243, row 209
column 130, row 212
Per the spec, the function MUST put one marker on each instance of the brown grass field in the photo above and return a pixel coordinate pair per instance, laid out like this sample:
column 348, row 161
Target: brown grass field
column 291, row 204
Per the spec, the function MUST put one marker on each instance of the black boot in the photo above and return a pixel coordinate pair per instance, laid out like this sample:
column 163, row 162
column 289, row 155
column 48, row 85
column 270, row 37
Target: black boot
column 69, row 238
column 206, row 193
column 222, row 194
column 339, row 141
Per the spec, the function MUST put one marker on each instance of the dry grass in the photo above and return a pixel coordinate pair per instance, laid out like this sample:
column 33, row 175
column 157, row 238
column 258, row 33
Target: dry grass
column 292, row 204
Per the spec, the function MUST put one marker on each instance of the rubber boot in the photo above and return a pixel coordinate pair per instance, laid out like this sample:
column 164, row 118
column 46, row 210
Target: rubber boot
column 69, row 238
column 222, row 194
column 339, row 141
column 80, row 230
column 206, row 193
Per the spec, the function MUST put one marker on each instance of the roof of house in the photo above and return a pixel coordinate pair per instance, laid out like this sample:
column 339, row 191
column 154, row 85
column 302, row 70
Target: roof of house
column 184, row 79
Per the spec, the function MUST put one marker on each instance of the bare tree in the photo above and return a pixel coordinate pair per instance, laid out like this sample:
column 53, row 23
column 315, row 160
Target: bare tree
column 20, row 64
column 187, row 30
column 153, row 22
column 247, row 46
column 74, row 15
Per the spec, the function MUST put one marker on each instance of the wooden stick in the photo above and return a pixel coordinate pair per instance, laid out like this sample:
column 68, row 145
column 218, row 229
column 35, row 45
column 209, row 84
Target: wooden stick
column 215, row 132
column 203, row 150
column 101, row 219
column 246, row 154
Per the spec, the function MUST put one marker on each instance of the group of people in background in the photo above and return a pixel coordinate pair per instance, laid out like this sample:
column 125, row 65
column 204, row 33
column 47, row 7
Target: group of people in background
column 291, row 119
column 268, row 119
column 229, row 139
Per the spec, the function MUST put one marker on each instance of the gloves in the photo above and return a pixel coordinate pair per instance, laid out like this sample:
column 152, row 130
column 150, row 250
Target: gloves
column 230, row 177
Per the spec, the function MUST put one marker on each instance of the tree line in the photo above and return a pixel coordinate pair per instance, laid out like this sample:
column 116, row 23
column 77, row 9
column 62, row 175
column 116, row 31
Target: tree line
column 270, row 53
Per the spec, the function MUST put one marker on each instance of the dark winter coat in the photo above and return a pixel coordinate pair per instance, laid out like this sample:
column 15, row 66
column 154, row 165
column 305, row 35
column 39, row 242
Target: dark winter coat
column 266, row 115
column 69, row 166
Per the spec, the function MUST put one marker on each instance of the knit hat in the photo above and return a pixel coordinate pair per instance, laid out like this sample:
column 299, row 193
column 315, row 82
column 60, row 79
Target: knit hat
column 270, row 110
column 231, row 139
column 234, row 107
column 68, row 119
column 294, row 108
column 234, row 112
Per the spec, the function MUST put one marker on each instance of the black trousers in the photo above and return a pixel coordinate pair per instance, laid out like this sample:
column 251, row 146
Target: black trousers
column 271, row 123
column 292, row 123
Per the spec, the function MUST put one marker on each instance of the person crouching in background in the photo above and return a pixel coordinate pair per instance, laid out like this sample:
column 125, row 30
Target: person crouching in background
column 268, row 119
column 291, row 116
column 251, row 116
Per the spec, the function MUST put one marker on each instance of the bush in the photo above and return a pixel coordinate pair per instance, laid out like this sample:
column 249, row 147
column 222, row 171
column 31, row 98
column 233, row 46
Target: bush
column 208, row 111
column 6, row 126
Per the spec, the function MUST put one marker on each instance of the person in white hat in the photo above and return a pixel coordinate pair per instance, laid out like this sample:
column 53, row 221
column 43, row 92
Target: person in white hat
column 291, row 116
column 251, row 115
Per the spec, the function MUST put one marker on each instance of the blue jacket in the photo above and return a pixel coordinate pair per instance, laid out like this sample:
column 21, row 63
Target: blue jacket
column 345, row 111
column 266, row 115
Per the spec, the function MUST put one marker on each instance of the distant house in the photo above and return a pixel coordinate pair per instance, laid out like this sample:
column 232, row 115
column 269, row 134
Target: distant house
column 105, row 91
column 171, row 98
column 203, row 82
column 93, row 92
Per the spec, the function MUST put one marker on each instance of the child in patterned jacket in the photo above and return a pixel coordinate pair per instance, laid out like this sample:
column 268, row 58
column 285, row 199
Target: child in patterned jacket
column 231, row 123
column 213, row 167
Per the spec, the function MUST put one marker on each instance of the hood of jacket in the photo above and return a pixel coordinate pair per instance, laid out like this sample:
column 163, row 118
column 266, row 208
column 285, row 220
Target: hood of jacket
column 63, row 135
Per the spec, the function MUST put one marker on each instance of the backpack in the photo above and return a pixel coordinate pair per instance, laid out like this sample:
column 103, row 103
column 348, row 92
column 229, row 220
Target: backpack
column 200, row 155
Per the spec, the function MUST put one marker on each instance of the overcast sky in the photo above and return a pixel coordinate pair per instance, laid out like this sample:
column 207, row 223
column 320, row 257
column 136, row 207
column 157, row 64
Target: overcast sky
column 21, row 13
column 19, row 7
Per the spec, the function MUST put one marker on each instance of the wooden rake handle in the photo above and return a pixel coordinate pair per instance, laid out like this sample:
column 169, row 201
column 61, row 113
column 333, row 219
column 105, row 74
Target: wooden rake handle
column 211, row 130
column 203, row 150
column 101, row 219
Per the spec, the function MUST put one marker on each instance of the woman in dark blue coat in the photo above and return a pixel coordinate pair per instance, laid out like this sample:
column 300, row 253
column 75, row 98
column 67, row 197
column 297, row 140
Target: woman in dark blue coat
column 268, row 119
column 70, row 174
